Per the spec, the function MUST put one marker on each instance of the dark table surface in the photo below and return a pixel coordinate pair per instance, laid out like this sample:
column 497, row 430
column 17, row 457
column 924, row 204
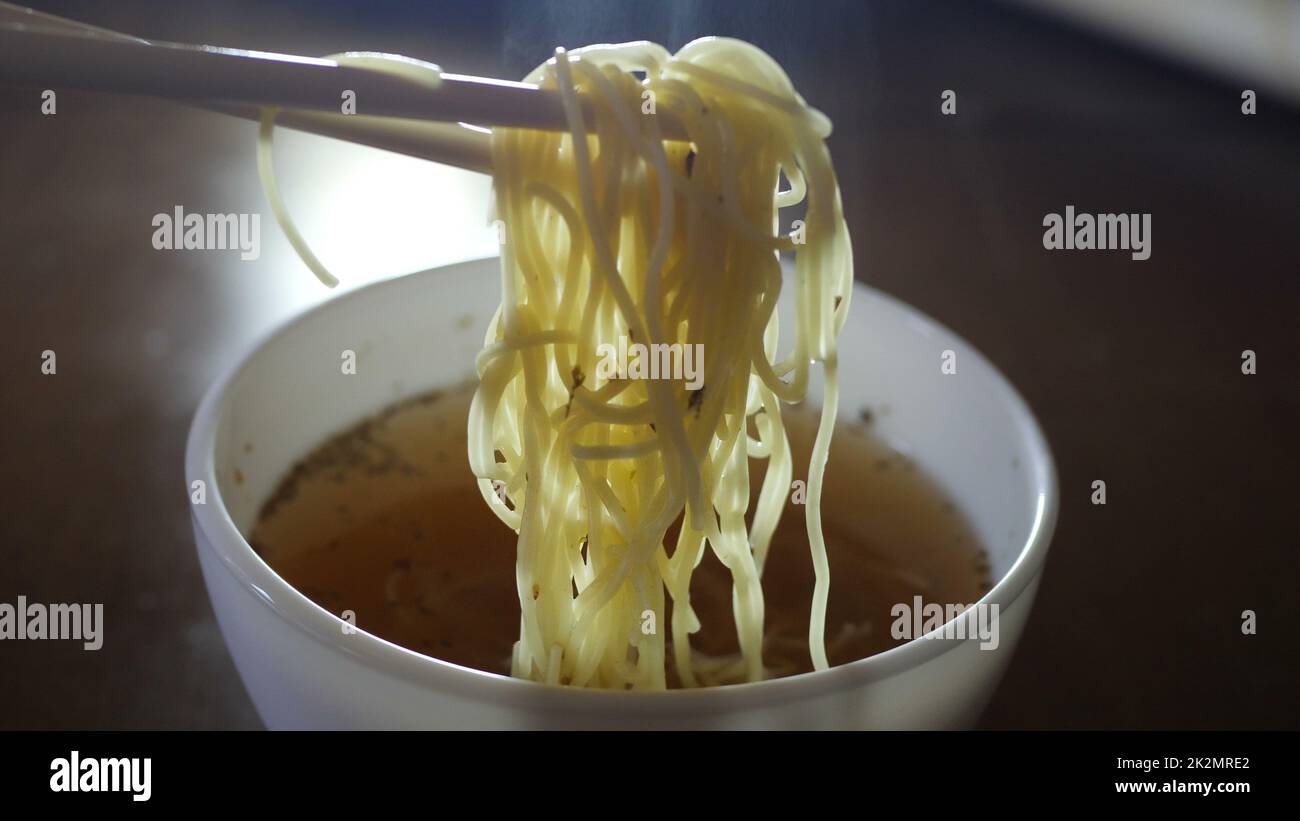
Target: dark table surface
column 1132, row 367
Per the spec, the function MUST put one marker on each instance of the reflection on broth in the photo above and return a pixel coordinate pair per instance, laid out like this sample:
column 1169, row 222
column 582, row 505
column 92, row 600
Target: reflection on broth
column 385, row 520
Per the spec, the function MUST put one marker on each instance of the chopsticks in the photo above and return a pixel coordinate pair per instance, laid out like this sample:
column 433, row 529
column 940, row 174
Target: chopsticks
column 394, row 113
column 228, row 76
column 464, row 146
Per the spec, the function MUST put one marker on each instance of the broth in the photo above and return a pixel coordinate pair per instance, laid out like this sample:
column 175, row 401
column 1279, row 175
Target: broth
column 385, row 520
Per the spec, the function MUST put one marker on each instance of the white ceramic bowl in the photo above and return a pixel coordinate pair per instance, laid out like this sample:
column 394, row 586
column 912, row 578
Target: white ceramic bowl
column 969, row 430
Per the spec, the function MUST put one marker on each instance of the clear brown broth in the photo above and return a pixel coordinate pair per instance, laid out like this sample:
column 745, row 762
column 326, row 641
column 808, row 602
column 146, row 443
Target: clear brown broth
column 384, row 520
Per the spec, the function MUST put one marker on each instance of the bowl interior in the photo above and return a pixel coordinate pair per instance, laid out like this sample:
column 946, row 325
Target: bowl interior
column 969, row 430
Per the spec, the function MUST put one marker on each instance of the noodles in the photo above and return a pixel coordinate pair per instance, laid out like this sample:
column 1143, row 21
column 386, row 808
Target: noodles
column 616, row 235
column 618, row 240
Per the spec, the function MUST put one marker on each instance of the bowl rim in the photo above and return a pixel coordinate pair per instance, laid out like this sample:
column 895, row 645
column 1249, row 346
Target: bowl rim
column 219, row 534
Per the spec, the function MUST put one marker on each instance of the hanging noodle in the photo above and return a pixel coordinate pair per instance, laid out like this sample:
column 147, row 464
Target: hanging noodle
column 612, row 235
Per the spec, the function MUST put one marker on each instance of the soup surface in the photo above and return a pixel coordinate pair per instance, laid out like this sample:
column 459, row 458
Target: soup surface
column 386, row 521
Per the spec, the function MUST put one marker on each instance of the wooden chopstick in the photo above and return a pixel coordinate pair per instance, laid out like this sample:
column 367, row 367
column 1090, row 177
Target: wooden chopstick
column 442, row 125
column 227, row 76
column 463, row 146
column 457, row 144
column 394, row 113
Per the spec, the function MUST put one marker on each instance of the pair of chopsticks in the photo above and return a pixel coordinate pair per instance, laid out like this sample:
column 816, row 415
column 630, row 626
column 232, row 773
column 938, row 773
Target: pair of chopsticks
column 447, row 124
